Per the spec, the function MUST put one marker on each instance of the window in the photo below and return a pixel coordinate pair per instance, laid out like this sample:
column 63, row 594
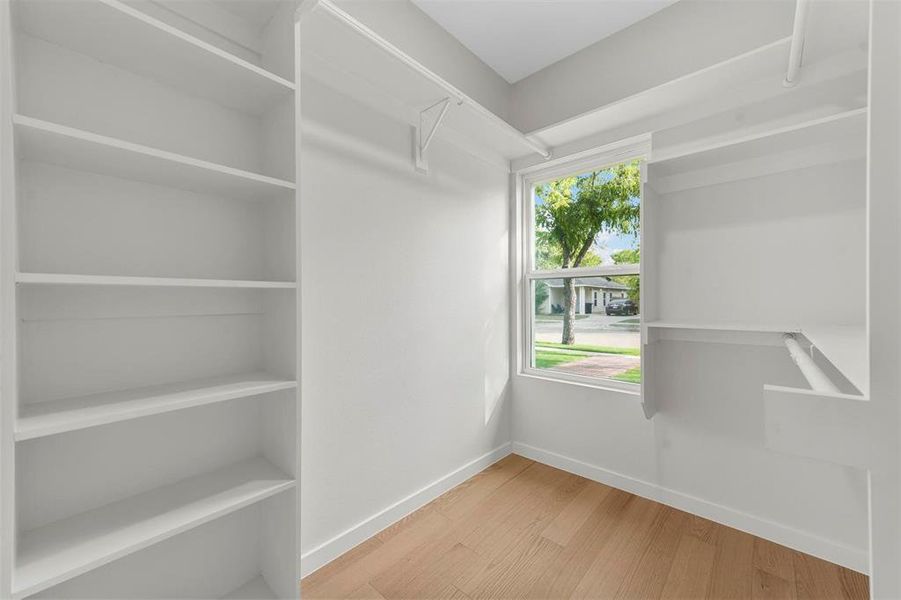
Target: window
column 583, row 236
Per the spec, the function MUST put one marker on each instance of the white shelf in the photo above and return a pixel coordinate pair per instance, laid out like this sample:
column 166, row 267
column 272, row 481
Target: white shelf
column 709, row 326
column 255, row 589
column 819, row 141
column 43, row 141
column 115, row 280
column 60, row 551
column 845, row 347
column 115, row 33
column 49, row 418
column 350, row 57
column 695, row 88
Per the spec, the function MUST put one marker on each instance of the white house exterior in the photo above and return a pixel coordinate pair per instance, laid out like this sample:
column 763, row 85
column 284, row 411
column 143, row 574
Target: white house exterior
column 593, row 294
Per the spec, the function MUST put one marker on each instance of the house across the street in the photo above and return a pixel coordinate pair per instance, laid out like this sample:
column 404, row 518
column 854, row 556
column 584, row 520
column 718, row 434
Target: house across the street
column 593, row 294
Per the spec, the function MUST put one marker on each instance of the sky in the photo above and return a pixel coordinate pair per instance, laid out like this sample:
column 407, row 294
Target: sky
column 608, row 243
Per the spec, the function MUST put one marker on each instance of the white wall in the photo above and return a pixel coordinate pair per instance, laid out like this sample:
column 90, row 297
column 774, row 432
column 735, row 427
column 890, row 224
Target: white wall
column 409, row 384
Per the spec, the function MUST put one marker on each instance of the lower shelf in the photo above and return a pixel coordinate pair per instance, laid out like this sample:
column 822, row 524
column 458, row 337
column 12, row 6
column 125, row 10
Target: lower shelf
column 255, row 589
column 68, row 548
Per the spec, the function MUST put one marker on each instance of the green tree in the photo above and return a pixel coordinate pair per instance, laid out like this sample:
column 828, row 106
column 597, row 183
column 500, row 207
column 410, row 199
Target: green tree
column 541, row 294
column 629, row 257
column 570, row 212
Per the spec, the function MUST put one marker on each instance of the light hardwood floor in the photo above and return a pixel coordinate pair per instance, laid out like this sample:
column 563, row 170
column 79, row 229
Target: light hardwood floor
column 520, row 529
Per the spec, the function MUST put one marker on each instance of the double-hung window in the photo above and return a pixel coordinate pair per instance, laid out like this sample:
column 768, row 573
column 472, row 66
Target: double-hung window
column 582, row 239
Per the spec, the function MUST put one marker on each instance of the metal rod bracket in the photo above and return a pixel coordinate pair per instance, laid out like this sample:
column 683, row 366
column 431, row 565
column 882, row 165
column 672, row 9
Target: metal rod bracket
column 429, row 121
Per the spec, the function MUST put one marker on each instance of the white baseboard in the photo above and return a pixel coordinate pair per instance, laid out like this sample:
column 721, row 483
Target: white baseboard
column 328, row 551
column 846, row 556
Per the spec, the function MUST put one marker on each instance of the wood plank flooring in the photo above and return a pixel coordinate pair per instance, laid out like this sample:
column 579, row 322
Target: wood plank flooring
column 521, row 529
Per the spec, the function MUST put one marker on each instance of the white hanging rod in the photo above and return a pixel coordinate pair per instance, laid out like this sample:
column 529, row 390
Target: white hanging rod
column 458, row 96
column 815, row 376
column 796, row 52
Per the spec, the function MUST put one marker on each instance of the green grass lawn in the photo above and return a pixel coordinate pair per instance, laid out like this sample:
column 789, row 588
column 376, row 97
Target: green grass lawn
column 550, row 354
column 547, row 359
column 630, row 376
column 590, row 348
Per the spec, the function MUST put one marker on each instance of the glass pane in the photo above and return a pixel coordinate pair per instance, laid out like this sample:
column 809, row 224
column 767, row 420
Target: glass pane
column 588, row 219
column 599, row 336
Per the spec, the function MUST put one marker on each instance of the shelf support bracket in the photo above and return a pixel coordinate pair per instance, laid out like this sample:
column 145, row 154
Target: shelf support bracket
column 424, row 132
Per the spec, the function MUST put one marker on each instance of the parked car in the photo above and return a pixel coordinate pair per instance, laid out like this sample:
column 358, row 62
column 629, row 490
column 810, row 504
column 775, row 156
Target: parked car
column 621, row 307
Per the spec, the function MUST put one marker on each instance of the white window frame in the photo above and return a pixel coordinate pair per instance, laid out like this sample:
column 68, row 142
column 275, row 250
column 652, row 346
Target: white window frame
column 525, row 274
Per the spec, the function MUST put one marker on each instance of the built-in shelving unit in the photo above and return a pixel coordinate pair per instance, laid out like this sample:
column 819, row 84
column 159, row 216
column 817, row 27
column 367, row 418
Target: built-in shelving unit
column 756, row 199
column 150, row 302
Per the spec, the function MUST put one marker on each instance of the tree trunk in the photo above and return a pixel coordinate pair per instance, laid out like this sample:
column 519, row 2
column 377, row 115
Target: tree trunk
column 569, row 311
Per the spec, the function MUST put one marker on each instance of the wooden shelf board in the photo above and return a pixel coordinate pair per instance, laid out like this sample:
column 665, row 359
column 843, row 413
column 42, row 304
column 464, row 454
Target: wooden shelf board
column 692, row 88
column 255, row 589
column 709, row 326
column 116, row 280
column 844, row 347
column 825, row 140
column 842, row 123
column 65, row 549
column 43, row 141
column 42, row 419
column 117, row 34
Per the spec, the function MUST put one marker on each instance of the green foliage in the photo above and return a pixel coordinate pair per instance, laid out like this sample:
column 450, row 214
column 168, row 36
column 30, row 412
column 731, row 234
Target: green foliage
column 572, row 211
column 629, row 257
column 541, row 294
column 549, row 254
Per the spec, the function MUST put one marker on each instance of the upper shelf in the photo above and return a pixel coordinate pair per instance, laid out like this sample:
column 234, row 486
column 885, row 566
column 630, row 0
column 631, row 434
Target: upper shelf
column 129, row 281
column 828, row 139
column 352, row 58
column 115, row 33
column 43, row 141
column 65, row 549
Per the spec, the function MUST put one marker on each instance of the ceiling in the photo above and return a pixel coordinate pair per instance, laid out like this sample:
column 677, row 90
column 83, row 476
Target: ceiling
column 519, row 37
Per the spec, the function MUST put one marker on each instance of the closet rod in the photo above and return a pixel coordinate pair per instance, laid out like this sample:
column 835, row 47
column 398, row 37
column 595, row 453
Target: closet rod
column 418, row 67
column 815, row 376
column 796, row 52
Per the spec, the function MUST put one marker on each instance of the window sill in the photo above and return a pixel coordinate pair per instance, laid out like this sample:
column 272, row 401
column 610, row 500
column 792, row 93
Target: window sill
column 628, row 389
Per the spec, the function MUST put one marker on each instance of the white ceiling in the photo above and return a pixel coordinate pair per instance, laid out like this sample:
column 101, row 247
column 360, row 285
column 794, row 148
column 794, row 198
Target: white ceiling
column 519, row 37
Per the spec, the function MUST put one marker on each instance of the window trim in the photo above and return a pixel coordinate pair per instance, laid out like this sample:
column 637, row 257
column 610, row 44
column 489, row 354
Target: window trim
column 524, row 275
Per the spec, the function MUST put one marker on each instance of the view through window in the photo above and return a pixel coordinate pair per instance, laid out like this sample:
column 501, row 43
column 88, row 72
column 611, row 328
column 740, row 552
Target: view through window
column 587, row 325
